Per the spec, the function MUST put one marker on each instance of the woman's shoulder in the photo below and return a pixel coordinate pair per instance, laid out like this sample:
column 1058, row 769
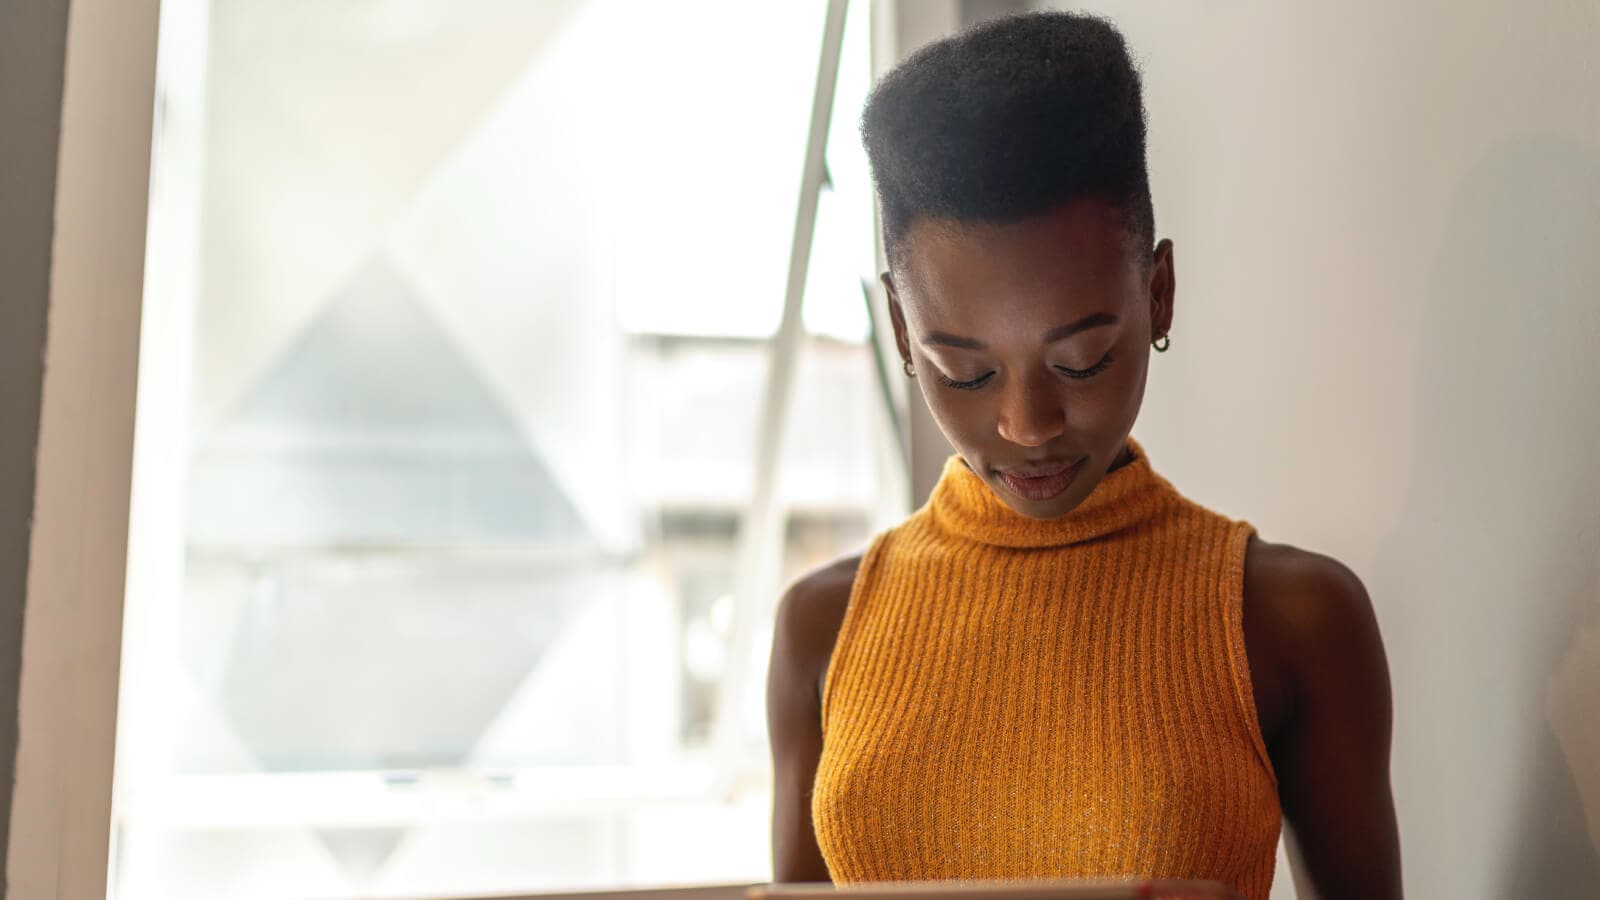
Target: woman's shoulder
column 820, row 592
column 812, row 610
column 1300, row 590
column 1307, row 617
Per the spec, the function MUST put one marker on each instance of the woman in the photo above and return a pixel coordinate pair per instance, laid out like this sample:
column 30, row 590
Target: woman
column 1059, row 666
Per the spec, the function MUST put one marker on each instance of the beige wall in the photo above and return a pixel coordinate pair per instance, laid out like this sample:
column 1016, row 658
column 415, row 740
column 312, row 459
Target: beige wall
column 1387, row 230
column 102, row 90
column 32, row 59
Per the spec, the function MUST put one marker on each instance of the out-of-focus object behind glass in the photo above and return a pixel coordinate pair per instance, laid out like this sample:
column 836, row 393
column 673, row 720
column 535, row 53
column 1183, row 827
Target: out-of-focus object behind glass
column 481, row 296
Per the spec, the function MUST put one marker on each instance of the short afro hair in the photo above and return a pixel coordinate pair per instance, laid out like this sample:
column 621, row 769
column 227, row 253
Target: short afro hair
column 1009, row 119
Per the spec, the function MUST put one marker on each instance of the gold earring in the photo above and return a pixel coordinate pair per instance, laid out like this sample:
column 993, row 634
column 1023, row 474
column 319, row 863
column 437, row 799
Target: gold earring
column 1161, row 343
column 906, row 365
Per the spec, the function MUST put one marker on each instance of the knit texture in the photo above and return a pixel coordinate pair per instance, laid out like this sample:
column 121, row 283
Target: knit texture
column 1016, row 698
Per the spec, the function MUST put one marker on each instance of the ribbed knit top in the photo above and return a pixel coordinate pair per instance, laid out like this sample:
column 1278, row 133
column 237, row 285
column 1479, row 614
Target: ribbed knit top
column 1018, row 698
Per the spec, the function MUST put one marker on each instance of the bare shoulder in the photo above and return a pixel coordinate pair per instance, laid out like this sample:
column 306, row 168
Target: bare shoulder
column 1314, row 619
column 1302, row 591
column 1308, row 621
column 811, row 612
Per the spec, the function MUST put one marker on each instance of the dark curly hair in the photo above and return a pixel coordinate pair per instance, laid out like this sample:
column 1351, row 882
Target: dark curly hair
column 1006, row 120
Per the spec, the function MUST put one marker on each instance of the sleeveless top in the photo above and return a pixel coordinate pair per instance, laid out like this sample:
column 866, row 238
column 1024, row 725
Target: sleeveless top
column 1018, row 698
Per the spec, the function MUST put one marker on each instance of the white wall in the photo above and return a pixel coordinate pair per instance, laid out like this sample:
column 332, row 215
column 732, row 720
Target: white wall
column 1386, row 219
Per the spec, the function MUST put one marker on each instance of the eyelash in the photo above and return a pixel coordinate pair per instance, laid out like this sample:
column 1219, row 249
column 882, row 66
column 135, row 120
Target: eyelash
column 1070, row 373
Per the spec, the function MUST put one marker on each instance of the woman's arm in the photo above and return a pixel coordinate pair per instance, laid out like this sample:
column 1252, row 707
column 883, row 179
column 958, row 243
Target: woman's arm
column 806, row 627
column 1332, row 753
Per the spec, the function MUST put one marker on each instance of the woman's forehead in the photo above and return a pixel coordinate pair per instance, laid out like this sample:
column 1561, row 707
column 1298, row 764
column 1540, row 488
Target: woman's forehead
column 1075, row 259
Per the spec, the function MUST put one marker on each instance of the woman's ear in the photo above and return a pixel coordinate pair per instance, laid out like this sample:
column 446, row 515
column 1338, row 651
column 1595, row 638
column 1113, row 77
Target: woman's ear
column 1163, row 288
column 896, row 316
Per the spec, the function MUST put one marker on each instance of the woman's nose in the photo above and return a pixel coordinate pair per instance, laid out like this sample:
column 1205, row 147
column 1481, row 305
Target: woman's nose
column 1030, row 413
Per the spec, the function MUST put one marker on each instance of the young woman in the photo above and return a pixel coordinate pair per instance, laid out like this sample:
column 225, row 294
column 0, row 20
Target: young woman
column 1059, row 666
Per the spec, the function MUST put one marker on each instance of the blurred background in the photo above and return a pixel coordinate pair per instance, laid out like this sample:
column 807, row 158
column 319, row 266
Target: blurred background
column 474, row 447
column 469, row 311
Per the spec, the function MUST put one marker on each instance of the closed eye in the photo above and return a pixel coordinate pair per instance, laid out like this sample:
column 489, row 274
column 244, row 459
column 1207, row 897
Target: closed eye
column 976, row 383
column 963, row 385
column 1093, row 370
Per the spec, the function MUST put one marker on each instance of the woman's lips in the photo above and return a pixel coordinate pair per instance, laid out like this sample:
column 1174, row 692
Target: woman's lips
column 1040, row 482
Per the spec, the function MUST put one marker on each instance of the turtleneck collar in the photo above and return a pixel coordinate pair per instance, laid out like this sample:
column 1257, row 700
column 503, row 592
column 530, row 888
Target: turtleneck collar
column 964, row 504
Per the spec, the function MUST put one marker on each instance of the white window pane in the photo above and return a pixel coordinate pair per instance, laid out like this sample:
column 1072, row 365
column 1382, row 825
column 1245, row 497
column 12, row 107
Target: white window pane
column 481, row 296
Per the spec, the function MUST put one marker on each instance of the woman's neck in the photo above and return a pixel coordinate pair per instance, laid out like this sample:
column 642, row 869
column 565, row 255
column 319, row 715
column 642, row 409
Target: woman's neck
column 1123, row 458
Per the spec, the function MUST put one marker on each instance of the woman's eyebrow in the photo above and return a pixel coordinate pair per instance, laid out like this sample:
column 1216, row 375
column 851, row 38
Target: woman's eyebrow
column 1094, row 320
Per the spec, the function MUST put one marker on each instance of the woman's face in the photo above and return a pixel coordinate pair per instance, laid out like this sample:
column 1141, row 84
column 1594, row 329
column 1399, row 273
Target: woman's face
column 1046, row 324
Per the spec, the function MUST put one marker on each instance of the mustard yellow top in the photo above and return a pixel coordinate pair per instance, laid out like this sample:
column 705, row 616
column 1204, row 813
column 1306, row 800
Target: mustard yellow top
column 1069, row 698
